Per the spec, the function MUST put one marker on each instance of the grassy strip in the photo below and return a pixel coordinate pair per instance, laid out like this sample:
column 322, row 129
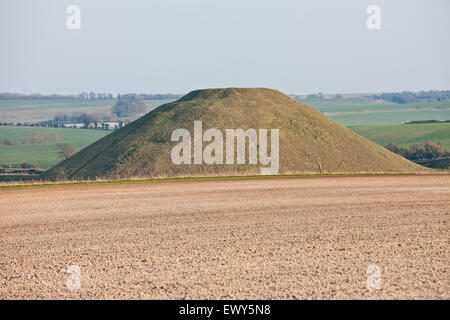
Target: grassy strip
column 37, row 184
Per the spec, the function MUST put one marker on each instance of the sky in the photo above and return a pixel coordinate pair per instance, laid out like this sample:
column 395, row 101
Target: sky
column 175, row 46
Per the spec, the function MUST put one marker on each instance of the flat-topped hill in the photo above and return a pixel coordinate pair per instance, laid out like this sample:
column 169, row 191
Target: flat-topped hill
column 144, row 147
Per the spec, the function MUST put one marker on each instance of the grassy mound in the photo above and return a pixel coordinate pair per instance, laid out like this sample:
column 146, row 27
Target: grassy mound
column 307, row 137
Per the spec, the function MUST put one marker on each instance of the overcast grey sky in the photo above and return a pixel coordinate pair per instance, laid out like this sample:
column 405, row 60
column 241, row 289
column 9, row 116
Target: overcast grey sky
column 179, row 45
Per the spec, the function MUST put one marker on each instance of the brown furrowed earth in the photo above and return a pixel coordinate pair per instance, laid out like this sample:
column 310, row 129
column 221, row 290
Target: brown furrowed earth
column 290, row 238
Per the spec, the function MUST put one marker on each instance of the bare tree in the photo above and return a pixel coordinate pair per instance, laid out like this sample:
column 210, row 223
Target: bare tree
column 65, row 150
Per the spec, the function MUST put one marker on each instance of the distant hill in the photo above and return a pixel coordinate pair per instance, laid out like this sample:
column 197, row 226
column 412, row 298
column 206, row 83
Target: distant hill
column 306, row 137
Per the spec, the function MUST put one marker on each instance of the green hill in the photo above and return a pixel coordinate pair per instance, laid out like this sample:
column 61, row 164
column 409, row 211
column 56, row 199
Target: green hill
column 306, row 137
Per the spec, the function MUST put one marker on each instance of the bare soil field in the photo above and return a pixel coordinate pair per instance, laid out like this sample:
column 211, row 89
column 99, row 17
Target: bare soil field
column 290, row 238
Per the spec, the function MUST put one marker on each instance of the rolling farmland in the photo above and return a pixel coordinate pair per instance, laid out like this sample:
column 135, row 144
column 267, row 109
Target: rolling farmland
column 368, row 112
column 377, row 120
column 41, row 110
column 42, row 154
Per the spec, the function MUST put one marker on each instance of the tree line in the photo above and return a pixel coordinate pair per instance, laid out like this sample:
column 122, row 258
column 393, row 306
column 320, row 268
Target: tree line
column 35, row 138
column 421, row 151
column 410, row 97
column 89, row 96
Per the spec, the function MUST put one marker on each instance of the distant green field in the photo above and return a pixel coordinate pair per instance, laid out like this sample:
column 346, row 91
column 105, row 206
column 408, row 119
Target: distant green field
column 18, row 105
column 389, row 117
column 361, row 104
column 42, row 154
column 369, row 112
column 406, row 135
column 41, row 110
